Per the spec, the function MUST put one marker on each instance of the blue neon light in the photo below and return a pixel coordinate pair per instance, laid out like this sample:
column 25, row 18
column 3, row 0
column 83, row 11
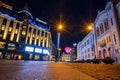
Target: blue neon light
column 6, row 15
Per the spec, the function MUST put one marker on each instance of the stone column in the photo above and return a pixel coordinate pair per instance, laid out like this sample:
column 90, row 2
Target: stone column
column 6, row 28
column 39, row 38
column 19, row 32
column 27, row 34
column 47, row 40
column 13, row 30
column 31, row 36
column 43, row 45
column 36, row 37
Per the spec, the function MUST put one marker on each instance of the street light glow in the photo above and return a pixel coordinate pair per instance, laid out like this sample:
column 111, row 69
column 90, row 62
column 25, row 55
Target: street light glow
column 60, row 27
column 89, row 27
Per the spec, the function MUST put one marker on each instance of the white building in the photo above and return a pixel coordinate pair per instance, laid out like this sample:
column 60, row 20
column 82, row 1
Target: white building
column 85, row 48
column 107, row 38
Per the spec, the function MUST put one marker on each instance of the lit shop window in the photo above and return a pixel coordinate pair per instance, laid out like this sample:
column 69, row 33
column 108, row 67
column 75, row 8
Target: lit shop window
column 2, row 44
column 37, row 57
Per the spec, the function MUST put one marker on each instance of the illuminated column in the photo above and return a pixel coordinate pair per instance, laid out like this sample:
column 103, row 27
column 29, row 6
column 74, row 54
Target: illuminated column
column 31, row 36
column 19, row 31
column 6, row 28
column 47, row 40
column 39, row 38
column 43, row 44
column 13, row 30
column 58, row 44
column 36, row 37
column 1, row 21
column 27, row 34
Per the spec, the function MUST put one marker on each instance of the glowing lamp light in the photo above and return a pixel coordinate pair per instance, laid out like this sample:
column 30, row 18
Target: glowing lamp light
column 68, row 49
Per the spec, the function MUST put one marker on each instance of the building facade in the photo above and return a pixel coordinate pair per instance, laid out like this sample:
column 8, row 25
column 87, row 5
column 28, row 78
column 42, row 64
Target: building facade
column 65, row 57
column 85, row 48
column 106, row 27
column 23, row 37
column 106, row 30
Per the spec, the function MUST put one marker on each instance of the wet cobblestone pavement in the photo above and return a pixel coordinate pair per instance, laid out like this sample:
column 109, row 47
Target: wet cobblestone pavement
column 98, row 71
column 37, row 70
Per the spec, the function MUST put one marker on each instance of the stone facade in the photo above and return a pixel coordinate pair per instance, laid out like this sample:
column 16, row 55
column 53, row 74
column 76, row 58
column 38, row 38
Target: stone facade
column 106, row 30
column 85, row 48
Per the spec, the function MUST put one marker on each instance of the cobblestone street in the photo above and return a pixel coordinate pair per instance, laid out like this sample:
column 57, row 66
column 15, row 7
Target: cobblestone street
column 38, row 70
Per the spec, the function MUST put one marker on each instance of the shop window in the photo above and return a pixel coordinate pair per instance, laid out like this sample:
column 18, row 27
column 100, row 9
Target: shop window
column 37, row 57
column 2, row 44
column 11, row 46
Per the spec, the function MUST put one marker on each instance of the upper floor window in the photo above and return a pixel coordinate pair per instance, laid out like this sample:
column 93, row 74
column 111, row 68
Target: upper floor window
column 97, row 33
column 101, row 29
column 106, row 25
column 111, row 21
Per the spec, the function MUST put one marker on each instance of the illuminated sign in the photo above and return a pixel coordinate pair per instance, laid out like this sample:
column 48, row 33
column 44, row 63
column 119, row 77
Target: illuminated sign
column 25, row 11
column 11, row 46
column 29, row 49
column 6, row 15
column 68, row 49
column 41, row 21
column 38, row 50
column 45, row 51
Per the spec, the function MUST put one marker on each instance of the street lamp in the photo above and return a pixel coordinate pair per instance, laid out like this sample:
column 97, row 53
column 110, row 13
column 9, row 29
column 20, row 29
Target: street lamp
column 58, row 39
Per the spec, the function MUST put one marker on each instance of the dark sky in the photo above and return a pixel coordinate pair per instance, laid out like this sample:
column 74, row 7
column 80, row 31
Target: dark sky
column 75, row 14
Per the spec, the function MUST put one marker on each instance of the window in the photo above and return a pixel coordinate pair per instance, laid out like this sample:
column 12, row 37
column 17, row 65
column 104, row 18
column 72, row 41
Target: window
column 16, row 31
column 97, row 32
column 101, row 29
column 115, row 39
column 111, row 21
column 87, row 42
column 106, row 25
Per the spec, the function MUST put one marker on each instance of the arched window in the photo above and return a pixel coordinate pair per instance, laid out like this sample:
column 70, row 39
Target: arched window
column 104, row 53
column 109, row 51
column 100, row 55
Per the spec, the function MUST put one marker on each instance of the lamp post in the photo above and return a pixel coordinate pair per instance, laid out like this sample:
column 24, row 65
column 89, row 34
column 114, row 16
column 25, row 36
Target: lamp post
column 58, row 40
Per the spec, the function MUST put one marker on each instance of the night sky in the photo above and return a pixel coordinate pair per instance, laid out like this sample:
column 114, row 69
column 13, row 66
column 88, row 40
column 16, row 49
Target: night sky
column 76, row 14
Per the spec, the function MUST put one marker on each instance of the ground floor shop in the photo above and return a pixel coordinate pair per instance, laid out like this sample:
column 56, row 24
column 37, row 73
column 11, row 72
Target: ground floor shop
column 15, row 51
